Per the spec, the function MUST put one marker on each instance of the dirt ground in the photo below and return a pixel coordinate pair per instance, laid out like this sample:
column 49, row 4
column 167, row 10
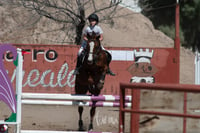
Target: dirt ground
column 134, row 31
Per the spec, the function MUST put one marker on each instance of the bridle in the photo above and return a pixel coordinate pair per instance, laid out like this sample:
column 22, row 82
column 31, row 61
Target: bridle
column 91, row 55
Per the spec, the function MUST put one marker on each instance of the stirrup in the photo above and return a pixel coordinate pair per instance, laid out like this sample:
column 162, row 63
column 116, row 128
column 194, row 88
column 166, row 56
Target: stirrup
column 76, row 71
column 110, row 72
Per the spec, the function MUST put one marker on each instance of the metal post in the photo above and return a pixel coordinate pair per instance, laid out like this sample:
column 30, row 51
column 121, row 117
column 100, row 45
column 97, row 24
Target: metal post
column 197, row 68
column 177, row 48
column 121, row 112
column 135, row 117
column 177, row 39
column 19, row 89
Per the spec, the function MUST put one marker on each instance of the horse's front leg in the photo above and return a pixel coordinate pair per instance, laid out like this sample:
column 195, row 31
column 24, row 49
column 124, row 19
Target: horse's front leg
column 92, row 113
column 80, row 110
column 101, row 81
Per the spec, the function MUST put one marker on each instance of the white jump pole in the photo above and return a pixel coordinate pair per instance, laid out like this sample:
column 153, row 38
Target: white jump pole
column 43, row 131
column 70, row 103
column 72, row 97
column 19, row 89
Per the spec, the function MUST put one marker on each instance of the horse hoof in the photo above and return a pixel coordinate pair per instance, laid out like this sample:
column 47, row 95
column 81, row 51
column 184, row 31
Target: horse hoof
column 80, row 123
column 90, row 127
column 80, row 126
column 81, row 129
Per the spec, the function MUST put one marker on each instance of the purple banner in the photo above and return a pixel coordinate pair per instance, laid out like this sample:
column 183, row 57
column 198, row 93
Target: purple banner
column 7, row 94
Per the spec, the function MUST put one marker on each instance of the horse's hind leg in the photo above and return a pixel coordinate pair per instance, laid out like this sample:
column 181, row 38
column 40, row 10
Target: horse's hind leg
column 80, row 110
column 92, row 113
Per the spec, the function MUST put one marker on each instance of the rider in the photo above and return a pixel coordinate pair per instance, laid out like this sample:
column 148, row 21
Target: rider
column 93, row 27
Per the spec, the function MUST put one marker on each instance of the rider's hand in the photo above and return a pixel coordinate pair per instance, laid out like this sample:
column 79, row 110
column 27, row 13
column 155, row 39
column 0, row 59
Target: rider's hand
column 101, row 37
column 85, row 38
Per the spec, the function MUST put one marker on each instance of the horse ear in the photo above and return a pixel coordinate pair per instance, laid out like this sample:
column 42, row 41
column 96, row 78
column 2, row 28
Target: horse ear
column 88, row 36
column 94, row 35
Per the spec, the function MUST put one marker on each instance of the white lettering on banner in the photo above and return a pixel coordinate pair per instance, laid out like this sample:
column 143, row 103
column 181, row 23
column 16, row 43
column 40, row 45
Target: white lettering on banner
column 42, row 80
column 105, row 119
column 62, row 74
column 34, row 79
column 30, row 82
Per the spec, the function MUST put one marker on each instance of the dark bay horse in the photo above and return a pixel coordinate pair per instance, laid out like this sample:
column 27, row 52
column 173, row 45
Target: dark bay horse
column 91, row 75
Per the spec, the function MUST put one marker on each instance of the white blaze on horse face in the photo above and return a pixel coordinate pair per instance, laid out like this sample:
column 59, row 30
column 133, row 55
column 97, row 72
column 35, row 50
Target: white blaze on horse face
column 90, row 57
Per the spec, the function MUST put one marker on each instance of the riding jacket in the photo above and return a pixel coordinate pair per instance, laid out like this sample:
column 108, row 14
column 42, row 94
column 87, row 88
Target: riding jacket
column 88, row 30
column 96, row 29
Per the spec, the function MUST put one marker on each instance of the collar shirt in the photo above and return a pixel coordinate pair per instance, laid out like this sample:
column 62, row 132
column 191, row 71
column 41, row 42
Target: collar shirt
column 96, row 29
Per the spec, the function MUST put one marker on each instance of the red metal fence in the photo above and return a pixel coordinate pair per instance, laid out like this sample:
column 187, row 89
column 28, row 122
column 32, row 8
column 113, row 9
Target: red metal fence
column 135, row 110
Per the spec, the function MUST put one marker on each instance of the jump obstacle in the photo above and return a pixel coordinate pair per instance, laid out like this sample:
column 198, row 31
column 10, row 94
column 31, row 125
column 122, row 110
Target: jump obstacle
column 38, row 131
column 69, row 103
column 56, row 99
column 80, row 100
column 73, row 97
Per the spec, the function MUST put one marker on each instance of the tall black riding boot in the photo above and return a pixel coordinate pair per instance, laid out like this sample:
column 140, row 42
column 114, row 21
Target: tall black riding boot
column 78, row 65
column 109, row 57
column 110, row 72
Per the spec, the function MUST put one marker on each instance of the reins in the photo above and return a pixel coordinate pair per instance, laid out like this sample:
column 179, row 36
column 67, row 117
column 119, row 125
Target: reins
column 98, row 48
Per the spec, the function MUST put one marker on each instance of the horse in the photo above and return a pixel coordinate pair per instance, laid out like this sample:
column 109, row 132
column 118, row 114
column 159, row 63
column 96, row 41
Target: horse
column 91, row 75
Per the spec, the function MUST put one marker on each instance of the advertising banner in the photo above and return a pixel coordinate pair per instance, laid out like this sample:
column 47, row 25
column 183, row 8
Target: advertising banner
column 49, row 68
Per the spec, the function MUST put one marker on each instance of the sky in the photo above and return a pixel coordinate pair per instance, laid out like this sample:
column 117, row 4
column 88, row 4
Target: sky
column 131, row 4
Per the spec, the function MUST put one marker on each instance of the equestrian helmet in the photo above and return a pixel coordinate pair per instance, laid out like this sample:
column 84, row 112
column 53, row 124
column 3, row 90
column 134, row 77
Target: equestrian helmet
column 93, row 17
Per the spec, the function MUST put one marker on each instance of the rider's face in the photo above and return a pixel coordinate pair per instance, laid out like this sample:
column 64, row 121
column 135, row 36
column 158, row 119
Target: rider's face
column 93, row 22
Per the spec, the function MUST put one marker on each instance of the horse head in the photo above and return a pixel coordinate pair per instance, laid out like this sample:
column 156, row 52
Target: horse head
column 93, row 48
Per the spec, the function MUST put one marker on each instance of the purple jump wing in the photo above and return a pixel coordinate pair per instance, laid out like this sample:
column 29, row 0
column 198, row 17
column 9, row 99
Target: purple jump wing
column 7, row 94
